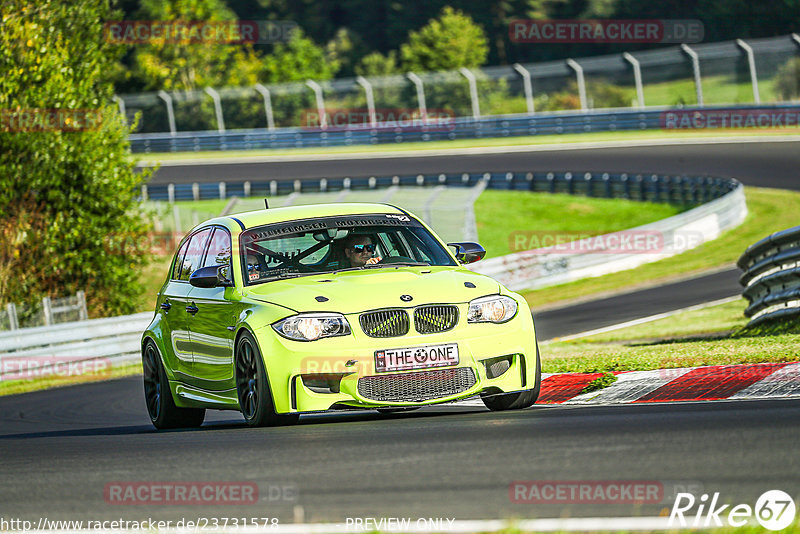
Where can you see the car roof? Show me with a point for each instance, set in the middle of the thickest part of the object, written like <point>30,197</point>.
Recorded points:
<point>251,219</point>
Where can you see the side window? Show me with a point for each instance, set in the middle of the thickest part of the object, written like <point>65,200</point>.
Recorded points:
<point>194,254</point>
<point>176,268</point>
<point>219,250</point>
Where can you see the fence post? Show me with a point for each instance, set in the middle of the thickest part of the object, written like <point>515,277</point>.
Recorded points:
<point>417,81</point>
<point>473,91</point>
<point>363,82</point>
<point>217,108</point>
<point>637,77</point>
<point>696,69</point>
<point>163,95</point>
<point>323,120</point>
<point>47,311</point>
<point>83,313</point>
<point>11,310</point>
<point>121,105</point>
<point>574,65</point>
<point>526,86</point>
<point>267,105</point>
<point>222,190</point>
<point>751,62</point>
<point>246,188</point>
<point>196,191</point>
<point>144,192</point>
<point>171,193</point>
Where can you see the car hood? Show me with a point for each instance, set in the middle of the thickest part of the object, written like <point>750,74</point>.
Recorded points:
<point>355,291</point>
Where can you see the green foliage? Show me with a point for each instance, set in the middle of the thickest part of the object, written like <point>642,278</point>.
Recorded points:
<point>376,64</point>
<point>450,42</point>
<point>787,79</point>
<point>297,61</point>
<point>601,382</point>
<point>69,219</point>
<point>180,66</point>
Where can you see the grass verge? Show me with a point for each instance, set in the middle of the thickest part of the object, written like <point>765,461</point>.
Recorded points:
<point>709,336</point>
<point>769,210</point>
<point>12,387</point>
<point>593,137</point>
<point>506,219</point>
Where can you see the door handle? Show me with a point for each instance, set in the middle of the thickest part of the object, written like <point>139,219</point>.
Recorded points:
<point>192,309</point>
<point>166,305</point>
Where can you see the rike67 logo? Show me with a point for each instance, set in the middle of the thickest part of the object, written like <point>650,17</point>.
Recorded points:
<point>774,510</point>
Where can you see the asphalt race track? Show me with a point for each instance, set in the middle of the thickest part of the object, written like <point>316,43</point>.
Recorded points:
<point>61,448</point>
<point>765,164</point>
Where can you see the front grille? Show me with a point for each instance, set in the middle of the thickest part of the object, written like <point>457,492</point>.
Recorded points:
<point>432,319</point>
<point>416,387</point>
<point>385,323</point>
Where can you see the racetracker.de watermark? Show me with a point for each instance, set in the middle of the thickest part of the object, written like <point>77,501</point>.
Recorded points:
<point>365,118</point>
<point>730,118</point>
<point>53,367</point>
<point>185,32</point>
<point>606,31</point>
<point>179,493</point>
<point>49,120</point>
<point>586,491</point>
<point>624,242</point>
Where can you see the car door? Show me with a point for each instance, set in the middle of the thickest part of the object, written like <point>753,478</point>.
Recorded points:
<point>212,325</point>
<point>174,300</point>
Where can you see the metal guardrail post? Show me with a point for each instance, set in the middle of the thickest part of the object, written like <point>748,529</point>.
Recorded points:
<point>47,311</point>
<point>267,104</point>
<point>527,86</point>
<point>217,108</point>
<point>121,105</point>
<point>751,62</point>
<point>195,191</point>
<point>363,82</point>
<point>171,193</point>
<point>222,192</point>
<point>637,77</point>
<point>317,88</point>
<point>83,313</point>
<point>473,91</point>
<point>417,81</point>
<point>574,65</point>
<point>698,86</point>
<point>11,310</point>
<point>165,96</point>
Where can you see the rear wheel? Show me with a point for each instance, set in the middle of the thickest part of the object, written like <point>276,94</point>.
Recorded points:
<point>519,399</point>
<point>158,397</point>
<point>252,387</point>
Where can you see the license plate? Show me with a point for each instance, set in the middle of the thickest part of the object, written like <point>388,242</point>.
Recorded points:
<point>416,357</point>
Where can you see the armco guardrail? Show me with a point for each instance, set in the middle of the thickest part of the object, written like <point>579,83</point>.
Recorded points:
<point>633,186</point>
<point>49,350</point>
<point>563,122</point>
<point>619,251</point>
<point>771,277</point>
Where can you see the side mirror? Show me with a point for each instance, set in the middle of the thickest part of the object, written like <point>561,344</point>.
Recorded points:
<point>467,252</point>
<point>211,276</point>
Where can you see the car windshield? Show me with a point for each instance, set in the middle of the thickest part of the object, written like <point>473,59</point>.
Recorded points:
<point>332,244</point>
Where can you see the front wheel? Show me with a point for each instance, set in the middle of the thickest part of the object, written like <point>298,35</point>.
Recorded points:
<point>252,387</point>
<point>519,399</point>
<point>158,397</point>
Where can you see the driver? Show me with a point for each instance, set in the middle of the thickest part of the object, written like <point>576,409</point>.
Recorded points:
<point>359,250</point>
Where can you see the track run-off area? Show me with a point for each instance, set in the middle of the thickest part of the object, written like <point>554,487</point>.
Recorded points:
<point>63,449</point>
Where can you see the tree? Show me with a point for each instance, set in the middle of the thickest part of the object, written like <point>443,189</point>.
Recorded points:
<point>297,61</point>
<point>177,66</point>
<point>450,42</point>
<point>67,183</point>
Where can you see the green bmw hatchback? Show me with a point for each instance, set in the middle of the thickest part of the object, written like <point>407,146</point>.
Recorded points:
<point>304,309</point>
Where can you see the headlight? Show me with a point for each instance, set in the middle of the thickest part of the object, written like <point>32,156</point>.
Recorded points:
<point>492,309</point>
<point>311,326</point>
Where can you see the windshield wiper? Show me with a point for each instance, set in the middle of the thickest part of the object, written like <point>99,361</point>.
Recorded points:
<point>397,264</point>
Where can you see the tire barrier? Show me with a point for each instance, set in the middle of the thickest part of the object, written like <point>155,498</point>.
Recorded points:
<point>771,277</point>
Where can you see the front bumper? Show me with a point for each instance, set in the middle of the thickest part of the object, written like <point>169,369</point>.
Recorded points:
<point>348,363</point>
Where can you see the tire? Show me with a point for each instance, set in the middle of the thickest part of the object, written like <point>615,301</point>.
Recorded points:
<point>158,396</point>
<point>252,387</point>
<point>517,400</point>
